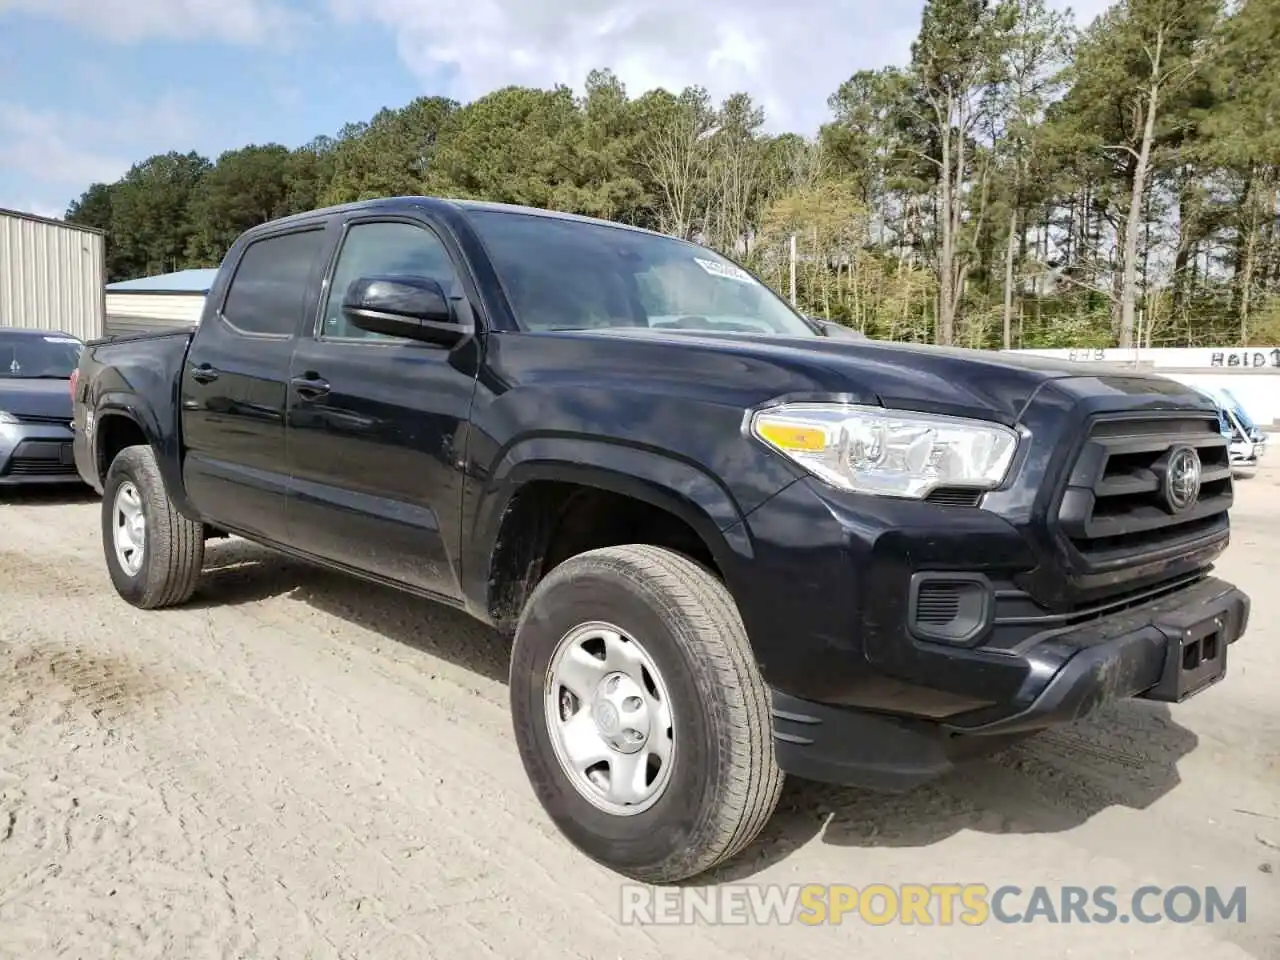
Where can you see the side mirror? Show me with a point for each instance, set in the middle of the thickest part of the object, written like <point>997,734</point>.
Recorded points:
<point>415,308</point>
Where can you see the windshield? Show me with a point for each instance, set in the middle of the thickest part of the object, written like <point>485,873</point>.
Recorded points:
<point>1224,425</point>
<point>572,275</point>
<point>1238,429</point>
<point>24,356</point>
<point>1238,409</point>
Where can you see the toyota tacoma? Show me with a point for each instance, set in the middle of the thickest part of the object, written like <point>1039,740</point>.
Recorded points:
<point>729,544</point>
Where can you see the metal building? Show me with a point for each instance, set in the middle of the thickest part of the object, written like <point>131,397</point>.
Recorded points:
<point>51,275</point>
<point>157,303</point>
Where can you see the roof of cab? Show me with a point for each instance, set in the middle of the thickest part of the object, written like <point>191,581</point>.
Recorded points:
<point>391,204</point>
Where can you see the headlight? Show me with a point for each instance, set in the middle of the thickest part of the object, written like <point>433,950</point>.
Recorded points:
<point>6,417</point>
<point>888,452</point>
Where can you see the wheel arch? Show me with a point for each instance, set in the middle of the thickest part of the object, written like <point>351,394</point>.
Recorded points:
<point>513,538</point>
<point>114,428</point>
<point>119,421</point>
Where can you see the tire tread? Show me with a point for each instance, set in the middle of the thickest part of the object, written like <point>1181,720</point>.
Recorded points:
<point>749,782</point>
<point>174,552</point>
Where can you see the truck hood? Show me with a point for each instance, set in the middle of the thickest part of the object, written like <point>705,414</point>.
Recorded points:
<point>35,398</point>
<point>958,381</point>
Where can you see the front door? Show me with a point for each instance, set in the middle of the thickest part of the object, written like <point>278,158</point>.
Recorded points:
<point>235,384</point>
<point>376,423</point>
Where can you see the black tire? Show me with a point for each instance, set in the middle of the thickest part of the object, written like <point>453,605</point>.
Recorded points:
<point>173,549</point>
<point>724,779</point>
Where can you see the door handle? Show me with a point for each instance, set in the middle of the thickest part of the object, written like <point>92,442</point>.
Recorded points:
<point>310,386</point>
<point>204,373</point>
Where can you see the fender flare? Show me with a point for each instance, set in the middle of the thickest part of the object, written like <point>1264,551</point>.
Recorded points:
<point>126,406</point>
<point>673,484</point>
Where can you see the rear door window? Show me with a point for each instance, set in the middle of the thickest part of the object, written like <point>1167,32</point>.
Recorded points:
<point>269,287</point>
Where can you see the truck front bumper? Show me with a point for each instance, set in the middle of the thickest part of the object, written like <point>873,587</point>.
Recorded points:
<point>36,453</point>
<point>1167,650</point>
<point>1247,454</point>
<point>898,636</point>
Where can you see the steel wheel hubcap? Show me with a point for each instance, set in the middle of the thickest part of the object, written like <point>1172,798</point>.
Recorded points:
<point>609,717</point>
<point>129,528</point>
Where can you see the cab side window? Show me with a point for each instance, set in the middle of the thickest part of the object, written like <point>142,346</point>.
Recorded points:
<point>269,287</point>
<point>381,250</point>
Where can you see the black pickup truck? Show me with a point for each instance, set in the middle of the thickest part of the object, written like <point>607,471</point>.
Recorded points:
<point>728,543</point>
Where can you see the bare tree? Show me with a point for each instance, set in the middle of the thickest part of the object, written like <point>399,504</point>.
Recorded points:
<point>1034,43</point>
<point>951,66</point>
<point>677,157</point>
<point>1173,50</point>
<point>736,174</point>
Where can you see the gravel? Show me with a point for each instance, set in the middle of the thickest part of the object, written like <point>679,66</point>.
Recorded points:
<point>297,764</point>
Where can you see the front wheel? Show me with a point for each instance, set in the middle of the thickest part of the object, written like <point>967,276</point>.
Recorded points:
<point>641,719</point>
<point>154,554</point>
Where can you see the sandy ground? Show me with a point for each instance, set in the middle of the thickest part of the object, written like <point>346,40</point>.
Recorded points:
<point>299,765</point>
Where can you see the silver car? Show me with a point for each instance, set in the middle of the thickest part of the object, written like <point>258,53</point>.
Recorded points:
<point>35,406</point>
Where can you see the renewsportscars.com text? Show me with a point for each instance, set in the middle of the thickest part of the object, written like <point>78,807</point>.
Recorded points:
<point>934,904</point>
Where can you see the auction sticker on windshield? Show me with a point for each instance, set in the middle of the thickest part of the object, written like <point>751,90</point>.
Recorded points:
<point>725,270</point>
<point>60,340</point>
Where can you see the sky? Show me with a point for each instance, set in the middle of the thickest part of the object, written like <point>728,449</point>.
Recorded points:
<point>88,87</point>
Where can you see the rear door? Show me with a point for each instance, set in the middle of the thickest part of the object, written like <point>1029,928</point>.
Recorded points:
<point>376,423</point>
<point>235,384</point>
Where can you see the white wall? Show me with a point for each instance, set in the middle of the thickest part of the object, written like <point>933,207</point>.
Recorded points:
<point>167,307</point>
<point>1252,373</point>
<point>129,313</point>
<point>51,275</point>
<point>1258,393</point>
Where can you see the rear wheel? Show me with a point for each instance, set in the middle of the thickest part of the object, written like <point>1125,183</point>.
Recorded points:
<point>154,554</point>
<point>640,716</point>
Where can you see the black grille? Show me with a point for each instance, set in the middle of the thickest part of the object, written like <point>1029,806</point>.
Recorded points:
<point>956,496</point>
<point>1115,509</point>
<point>42,458</point>
<point>32,418</point>
<point>950,607</point>
<point>938,602</point>
<point>26,467</point>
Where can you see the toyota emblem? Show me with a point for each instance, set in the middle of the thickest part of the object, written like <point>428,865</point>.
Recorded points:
<point>1182,479</point>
